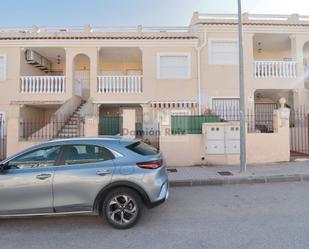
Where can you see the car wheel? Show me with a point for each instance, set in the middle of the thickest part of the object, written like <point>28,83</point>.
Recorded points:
<point>122,208</point>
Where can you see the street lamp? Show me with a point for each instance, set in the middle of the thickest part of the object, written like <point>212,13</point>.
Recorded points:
<point>242,114</point>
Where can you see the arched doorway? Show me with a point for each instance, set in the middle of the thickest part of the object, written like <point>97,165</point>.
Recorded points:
<point>81,76</point>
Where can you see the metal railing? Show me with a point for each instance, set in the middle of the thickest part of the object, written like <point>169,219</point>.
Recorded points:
<point>42,130</point>
<point>2,148</point>
<point>2,137</point>
<point>294,18</point>
<point>275,69</point>
<point>92,29</point>
<point>299,131</point>
<point>120,84</point>
<point>42,84</point>
<point>256,121</point>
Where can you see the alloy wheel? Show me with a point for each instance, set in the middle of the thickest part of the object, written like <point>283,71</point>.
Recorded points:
<point>122,209</point>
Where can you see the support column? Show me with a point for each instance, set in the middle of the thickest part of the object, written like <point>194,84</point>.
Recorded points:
<point>249,70</point>
<point>297,55</point>
<point>93,55</point>
<point>91,128</point>
<point>69,68</point>
<point>129,121</point>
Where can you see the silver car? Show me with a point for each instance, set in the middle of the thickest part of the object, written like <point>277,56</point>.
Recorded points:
<point>110,176</point>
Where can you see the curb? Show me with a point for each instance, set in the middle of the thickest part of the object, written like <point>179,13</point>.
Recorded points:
<point>239,180</point>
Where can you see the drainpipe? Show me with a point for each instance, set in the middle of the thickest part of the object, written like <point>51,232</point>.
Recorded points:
<point>198,49</point>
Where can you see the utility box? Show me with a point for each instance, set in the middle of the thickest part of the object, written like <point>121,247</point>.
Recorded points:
<point>222,138</point>
<point>232,147</point>
<point>215,132</point>
<point>232,132</point>
<point>215,147</point>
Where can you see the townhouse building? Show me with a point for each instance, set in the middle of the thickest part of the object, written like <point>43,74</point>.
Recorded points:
<point>75,81</point>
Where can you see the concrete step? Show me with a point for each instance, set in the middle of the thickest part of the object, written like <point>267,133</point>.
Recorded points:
<point>69,130</point>
<point>71,126</point>
<point>73,122</point>
<point>64,134</point>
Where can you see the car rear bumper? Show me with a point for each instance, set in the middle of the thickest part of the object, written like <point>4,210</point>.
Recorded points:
<point>164,194</point>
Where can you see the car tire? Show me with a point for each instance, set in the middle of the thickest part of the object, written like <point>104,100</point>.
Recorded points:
<point>122,208</point>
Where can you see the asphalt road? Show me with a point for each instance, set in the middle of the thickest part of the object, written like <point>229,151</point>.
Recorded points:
<point>215,217</point>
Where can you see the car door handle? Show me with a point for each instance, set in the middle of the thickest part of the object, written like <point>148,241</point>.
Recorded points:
<point>103,172</point>
<point>43,176</point>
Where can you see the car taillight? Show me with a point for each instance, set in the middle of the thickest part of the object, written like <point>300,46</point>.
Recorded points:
<point>151,164</point>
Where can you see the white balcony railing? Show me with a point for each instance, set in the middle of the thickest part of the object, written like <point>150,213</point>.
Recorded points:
<point>275,69</point>
<point>42,84</point>
<point>120,84</point>
<point>92,29</point>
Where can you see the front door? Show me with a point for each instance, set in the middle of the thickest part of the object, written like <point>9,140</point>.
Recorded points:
<point>26,185</point>
<point>78,87</point>
<point>84,171</point>
<point>82,83</point>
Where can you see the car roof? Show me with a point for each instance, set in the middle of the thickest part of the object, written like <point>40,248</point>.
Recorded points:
<point>99,140</point>
<point>105,139</point>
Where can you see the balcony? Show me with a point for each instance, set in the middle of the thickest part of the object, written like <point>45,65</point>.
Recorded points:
<point>42,84</point>
<point>274,64</point>
<point>42,75</point>
<point>120,74</point>
<point>275,69</point>
<point>120,84</point>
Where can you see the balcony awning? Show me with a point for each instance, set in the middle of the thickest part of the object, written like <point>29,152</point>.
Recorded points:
<point>174,104</point>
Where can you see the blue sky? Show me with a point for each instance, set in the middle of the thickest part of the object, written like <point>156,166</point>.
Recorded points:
<point>131,12</point>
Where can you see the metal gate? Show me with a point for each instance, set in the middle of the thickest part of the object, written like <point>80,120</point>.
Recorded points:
<point>149,129</point>
<point>2,137</point>
<point>264,113</point>
<point>2,148</point>
<point>110,125</point>
<point>299,126</point>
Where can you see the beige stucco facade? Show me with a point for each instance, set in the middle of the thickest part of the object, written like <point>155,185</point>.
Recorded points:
<point>261,147</point>
<point>117,70</point>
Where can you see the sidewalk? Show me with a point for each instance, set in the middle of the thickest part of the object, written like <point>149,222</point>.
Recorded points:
<point>266,173</point>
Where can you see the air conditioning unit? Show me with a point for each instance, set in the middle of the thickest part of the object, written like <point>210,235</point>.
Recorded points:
<point>37,60</point>
<point>33,57</point>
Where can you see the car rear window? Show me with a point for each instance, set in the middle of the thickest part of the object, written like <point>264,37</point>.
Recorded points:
<point>142,149</point>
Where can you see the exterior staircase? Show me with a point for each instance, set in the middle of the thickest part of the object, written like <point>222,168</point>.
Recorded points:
<point>74,125</point>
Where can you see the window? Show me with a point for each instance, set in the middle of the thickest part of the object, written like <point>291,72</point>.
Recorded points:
<point>39,158</point>
<point>226,108</point>
<point>81,154</point>
<point>142,149</point>
<point>174,65</point>
<point>2,67</point>
<point>223,52</point>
